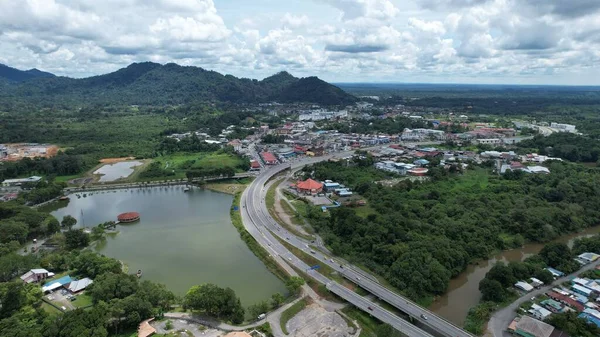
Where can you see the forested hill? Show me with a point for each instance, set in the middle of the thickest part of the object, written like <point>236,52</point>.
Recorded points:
<point>9,74</point>
<point>152,83</point>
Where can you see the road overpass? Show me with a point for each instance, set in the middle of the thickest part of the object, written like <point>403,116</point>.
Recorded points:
<point>262,227</point>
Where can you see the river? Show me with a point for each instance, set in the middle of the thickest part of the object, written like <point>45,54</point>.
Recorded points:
<point>463,291</point>
<point>182,239</point>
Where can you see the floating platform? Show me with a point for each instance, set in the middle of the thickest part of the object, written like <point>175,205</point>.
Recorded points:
<point>128,217</point>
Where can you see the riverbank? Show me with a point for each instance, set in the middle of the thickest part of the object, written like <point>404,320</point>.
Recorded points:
<point>229,186</point>
<point>463,291</point>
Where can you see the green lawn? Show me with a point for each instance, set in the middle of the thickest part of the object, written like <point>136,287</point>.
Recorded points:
<point>82,301</point>
<point>52,311</point>
<point>291,312</point>
<point>64,179</point>
<point>182,162</point>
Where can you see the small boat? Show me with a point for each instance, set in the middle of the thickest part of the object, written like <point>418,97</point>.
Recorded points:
<point>186,189</point>
<point>139,273</point>
<point>64,197</point>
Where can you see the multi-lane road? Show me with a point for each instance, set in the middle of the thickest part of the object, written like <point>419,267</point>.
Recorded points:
<point>263,227</point>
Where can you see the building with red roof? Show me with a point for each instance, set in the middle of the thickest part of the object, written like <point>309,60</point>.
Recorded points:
<point>268,158</point>
<point>309,186</point>
<point>254,165</point>
<point>566,300</point>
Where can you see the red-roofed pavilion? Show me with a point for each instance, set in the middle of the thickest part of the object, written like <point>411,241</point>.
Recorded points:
<point>309,186</point>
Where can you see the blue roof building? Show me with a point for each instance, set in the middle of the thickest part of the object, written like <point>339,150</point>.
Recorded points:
<point>555,273</point>
<point>421,162</point>
<point>590,318</point>
<point>61,282</point>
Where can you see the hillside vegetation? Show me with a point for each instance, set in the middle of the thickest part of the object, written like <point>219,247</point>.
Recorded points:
<point>154,84</point>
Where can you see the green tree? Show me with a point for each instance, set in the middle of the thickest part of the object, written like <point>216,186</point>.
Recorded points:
<point>68,221</point>
<point>75,239</point>
<point>276,300</point>
<point>259,308</point>
<point>12,298</point>
<point>294,284</point>
<point>492,290</point>
<point>109,286</point>
<point>52,226</point>
<point>574,326</point>
<point>13,231</point>
<point>215,301</point>
<point>91,264</point>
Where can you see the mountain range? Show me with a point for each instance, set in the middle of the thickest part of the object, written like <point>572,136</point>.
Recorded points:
<point>156,84</point>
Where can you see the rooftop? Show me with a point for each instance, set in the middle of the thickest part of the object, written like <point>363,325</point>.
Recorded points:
<point>534,327</point>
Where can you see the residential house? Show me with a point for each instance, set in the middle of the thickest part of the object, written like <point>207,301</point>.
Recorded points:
<point>530,327</point>
<point>77,286</point>
<point>552,305</point>
<point>539,312</point>
<point>567,300</point>
<point>36,275</point>
<point>523,286</point>
<point>581,290</point>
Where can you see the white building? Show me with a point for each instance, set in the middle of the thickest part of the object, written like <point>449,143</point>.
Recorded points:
<point>523,286</point>
<point>563,127</point>
<point>539,312</point>
<point>21,181</point>
<point>490,141</point>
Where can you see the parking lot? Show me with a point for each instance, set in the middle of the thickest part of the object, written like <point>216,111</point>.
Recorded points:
<point>62,298</point>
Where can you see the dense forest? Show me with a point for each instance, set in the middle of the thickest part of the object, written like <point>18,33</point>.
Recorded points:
<point>564,145</point>
<point>423,234</point>
<point>155,84</point>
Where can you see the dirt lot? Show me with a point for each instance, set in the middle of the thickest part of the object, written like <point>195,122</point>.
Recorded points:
<point>315,321</point>
<point>184,328</point>
<point>115,160</point>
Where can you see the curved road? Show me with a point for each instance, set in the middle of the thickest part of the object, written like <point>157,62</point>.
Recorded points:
<point>262,226</point>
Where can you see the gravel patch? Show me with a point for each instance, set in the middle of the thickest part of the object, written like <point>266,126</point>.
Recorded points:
<point>315,321</point>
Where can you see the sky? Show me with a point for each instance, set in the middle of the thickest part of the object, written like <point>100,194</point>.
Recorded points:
<point>404,41</point>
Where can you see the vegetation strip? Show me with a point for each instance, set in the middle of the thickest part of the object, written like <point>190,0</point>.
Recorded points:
<point>253,245</point>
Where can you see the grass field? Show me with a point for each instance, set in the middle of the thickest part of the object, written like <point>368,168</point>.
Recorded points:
<point>229,186</point>
<point>291,312</point>
<point>82,301</point>
<point>52,311</point>
<point>367,322</point>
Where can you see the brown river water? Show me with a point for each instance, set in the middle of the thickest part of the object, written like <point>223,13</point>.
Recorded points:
<point>463,291</point>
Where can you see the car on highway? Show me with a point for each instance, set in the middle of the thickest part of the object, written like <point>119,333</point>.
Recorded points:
<point>423,316</point>
<point>370,308</point>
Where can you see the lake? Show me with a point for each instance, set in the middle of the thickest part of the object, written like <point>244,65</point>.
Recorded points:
<point>112,172</point>
<point>182,239</point>
<point>463,291</point>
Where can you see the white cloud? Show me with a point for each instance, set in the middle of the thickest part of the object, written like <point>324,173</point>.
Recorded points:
<point>368,40</point>
<point>294,21</point>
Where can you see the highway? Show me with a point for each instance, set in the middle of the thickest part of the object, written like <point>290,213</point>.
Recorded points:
<point>262,226</point>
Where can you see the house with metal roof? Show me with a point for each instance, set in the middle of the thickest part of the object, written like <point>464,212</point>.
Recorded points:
<point>531,327</point>
<point>55,284</point>
<point>539,312</point>
<point>36,275</point>
<point>524,286</point>
<point>79,285</point>
<point>552,305</point>
<point>555,273</point>
<point>581,290</point>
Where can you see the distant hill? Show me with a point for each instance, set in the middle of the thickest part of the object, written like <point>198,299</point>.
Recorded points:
<point>153,83</point>
<point>9,74</point>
